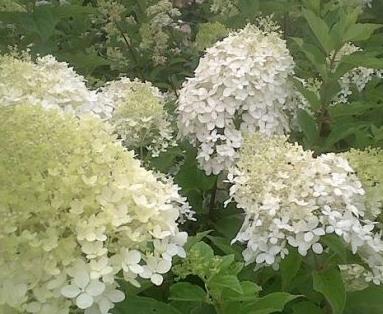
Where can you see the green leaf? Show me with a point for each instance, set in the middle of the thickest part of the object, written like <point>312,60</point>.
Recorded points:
<point>367,301</point>
<point>273,302</point>
<point>306,308</point>
<point>336,245</point>
<point>142,305</point>
<point>308,126</point>
<point>289,268</point>
<point>220,281</point>
<point>225,246</point>
<point>314,55</point>
<point>329,89</point>
<point>320,30</point>
<point>360,32</point>
<point>249,292</point>
<point>229,225</point>
<point>192,240</point>
<point>341,131</point>
<point>363,60</point>
<point>187,292</point>
<point>249,8</point>
<point>203,249</point>
<point>330,284</point>
<point>310,96</point>
<point>190,177</point>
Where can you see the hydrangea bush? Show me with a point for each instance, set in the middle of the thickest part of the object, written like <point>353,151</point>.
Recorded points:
<point>278,110</point>
<point>77,211</point>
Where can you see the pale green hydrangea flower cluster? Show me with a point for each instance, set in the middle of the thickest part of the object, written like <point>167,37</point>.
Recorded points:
<point>46,82</point>
<point>209,33</point>
<point>368,166</point>
<point>162,16</point>
<point>354,277</point>
<point>77,210</point>
<point>137,112</point>
<point>292,199</point>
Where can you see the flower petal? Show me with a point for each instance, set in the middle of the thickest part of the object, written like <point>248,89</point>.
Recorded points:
<point>84,301</point>
<point>70,291</point>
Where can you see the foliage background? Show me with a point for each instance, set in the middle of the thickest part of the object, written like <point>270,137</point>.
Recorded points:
<point>213,278</point>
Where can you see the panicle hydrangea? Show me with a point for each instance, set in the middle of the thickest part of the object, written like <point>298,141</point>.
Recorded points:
<point>162,17</point>
<point>136,111</point>
<point>356,78</point>
<point>368,166</point>
<point>292,199</point>
<point>240,85</point>
<point>47,82</point>
<point>76,209</point>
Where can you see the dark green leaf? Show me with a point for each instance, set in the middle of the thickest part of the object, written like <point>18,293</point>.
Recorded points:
<point>220,281</point>
<point>271,303</point>
<point>368,301</point>
<point>289,268</point>
<point>308,126</point>
<point>359,32</point>
<point>142,305</point>
<point>330,284</point>
<point>320,30</point>
<point>306,308</point>
<point>185,291</point>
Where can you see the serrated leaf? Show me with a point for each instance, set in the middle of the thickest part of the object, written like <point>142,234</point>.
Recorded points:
<point>273,302</point>
<point>336,245</point>
<point>308,126</point>
<point>187,292</point>
<point>220,281</point>
<point>320,30</point>
<point>290,266</point>
<point>360,59</point>
<point>360,32</point>
<point>330,284</point>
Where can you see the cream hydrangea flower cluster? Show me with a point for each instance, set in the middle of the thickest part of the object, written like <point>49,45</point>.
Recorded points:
<point>47,82</point>
<point>292,199</point>
<point>240,85</point>
<point>76,209</point>
<point>136,111</point>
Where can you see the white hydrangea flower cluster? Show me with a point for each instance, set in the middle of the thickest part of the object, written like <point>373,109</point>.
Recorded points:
<point>76,211</point>
<point>47,82</point>
<point>292,199</point>
<point>136,111</point>
<point>358,77</point>
<point>240,85</point>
